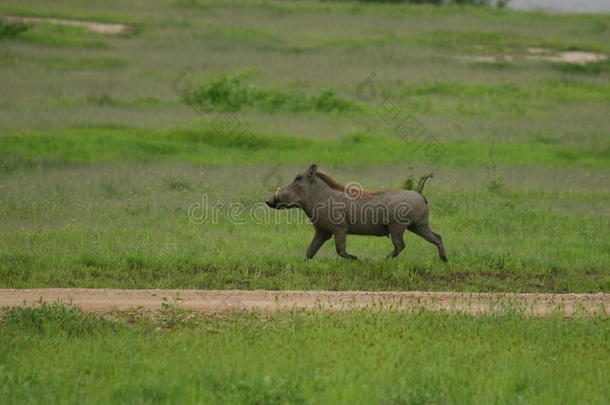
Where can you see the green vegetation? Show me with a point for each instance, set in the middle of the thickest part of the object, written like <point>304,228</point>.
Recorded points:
<point>230,143</point>
<point>11,29</point>
<point>56,319</point>
<point>481,42</point>
<point>435,2</point>
<point>141,160</point>
<point>229,93</point>
<point>53,352</point>
<point>590,68</point>
<point>57,35</point>
<point>107,140</point>
<point>127,226</point>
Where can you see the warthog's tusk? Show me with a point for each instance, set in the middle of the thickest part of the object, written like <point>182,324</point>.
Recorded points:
<point>276,193</point>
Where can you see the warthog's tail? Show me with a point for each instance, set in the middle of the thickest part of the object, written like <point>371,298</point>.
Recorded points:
<point>422,182</point>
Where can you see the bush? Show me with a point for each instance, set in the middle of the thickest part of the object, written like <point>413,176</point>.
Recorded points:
<point>229,93</point>
<point>10,29</point>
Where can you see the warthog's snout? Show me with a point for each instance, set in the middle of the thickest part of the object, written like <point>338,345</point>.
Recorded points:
<point>271,203</point>
<point>274,199</point>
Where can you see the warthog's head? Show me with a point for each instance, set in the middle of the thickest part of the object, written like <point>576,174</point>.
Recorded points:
<point>295,194</point>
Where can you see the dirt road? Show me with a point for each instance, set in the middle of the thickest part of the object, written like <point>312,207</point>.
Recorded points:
<point>206,301</point>
<point>95,26</point>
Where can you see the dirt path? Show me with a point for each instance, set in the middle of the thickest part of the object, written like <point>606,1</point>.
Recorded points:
<point>95,26</point>
<point>100,300</point>
<point>544,54</point>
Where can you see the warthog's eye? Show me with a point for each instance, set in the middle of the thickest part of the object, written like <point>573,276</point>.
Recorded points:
<point>298,178</point>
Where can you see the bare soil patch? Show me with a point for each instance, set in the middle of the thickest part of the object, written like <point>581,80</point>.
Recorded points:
<point>210,301</point>
<point>95,26</point>
<point>575,57</point>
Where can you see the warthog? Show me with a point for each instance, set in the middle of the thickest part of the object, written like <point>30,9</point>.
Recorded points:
<point>338,210</point>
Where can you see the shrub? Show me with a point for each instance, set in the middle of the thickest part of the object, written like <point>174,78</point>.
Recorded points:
<point>10,29</point>
<point>229,93</point>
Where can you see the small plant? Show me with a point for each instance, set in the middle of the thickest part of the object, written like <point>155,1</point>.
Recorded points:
<point>355,138</point>
<point>328,101</point>
<point>110,190</point>
<point>58,318</point>
<point>496,185</point>
<point>408,184</point>
<point>102,99</point>
<point>171,315</point>
<point>11,29</point>
<point>175,184</point>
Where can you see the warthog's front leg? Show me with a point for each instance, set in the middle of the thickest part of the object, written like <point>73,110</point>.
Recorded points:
<point>318,240</point>
<point>340,241</point>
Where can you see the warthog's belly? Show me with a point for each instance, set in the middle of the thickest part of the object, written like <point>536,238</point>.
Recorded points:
<point>368,229</point>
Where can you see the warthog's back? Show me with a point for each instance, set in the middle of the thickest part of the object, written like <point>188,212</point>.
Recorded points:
<point>373,213</point>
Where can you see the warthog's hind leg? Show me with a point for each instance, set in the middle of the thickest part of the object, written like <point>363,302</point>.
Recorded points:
<point>426,232</point>
<point>397,234</point>
<point>340,241</point>
<point>318,240</point>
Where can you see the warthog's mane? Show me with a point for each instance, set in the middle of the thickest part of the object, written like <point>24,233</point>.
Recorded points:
<point>328,179</point>
<point>334,184</point>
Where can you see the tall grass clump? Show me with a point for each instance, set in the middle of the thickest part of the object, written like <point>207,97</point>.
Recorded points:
<point>58,318</point>
<point>10,29</point>
<point>230,93</point>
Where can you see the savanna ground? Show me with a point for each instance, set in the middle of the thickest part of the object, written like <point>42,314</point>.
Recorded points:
<point>107,141</point>
<point>54,354</point>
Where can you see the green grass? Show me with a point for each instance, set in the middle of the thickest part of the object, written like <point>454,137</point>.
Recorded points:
<point>229,93</point>
<point>84,63</point>
<point>57,35</point>
<point>479,41</point>
<point>227,142</point>
<point>100,155</point>
<point>595,68</point>
<point>11,29</point>
<point>54,354</point>
<point>107,143</point>
<point>129,227</point>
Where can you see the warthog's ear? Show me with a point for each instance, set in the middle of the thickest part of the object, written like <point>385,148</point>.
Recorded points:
<point>313,169</point>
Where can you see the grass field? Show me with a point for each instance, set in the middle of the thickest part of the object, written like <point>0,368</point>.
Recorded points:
<point>55,354</point>
<point>107,140</point>
<point>127,226</point>
<point>112,147</point>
